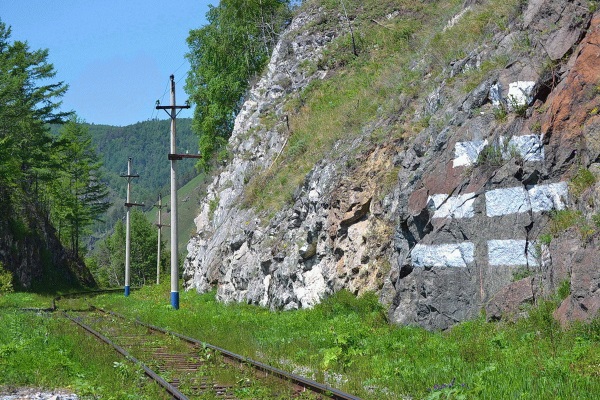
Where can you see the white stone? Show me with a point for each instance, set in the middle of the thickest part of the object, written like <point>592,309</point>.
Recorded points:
<point>265,299</point>
<point>466,153</point>
<point>529,147</point>
<point>312,289</point>
<point>552,196</point>
<point>443,255</point>
<point>506,201</point>
<point>520,93</point>
<point>511,253</point>
<point>496,94</point>
<point>444,206</point>
<point>313,196</point>
<point>535,198</point>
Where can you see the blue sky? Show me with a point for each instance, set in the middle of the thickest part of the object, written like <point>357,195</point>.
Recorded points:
<point>116,56</point>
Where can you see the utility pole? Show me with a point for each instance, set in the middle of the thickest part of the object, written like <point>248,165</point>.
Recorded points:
<point>159,225</point>
<point>173,157</point>
<point>128,205</point>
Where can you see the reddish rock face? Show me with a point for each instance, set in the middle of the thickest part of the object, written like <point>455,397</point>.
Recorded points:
<point>572,120</point>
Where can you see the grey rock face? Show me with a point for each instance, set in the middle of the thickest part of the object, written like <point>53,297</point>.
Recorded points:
<point>461,223</point>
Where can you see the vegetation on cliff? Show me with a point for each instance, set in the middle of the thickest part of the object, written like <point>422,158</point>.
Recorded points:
<point>225,55</point>
<point>43,178</point>
<point>378,76</point>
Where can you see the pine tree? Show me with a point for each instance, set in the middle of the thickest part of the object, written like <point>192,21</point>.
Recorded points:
<point>77,192</point>
<point>26,107</point>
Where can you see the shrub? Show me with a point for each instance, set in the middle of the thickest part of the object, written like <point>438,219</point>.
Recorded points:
<point>6,278</point>
<point>561,220</point>
<point>582,180</point>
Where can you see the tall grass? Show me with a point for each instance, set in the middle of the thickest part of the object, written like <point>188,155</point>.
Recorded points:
<point>348,343</point>
<point>42,350</point>
<point>345,341</point>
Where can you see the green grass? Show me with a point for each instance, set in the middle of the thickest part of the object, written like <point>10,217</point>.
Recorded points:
<point>384,82</point>
<point>581,181</point>
<point>348,343</point>
<point>41,350</point>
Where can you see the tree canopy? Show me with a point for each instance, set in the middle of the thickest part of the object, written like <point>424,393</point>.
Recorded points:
<point>224,55</point>
<point>27,104</point>
<point>55,174</point>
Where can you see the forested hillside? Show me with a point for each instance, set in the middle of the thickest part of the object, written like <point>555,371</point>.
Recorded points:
<point>147,143</point>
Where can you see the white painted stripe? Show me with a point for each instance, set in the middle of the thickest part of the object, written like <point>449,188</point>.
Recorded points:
<point>510,253</point>
<point>548,197</point>
<point>536,198</point>
<point>506,201</point>
<point>466,153</point>
<point>528,147</point>
<point>519,93</point>
<point>444,206</point>
<point>443,255</point>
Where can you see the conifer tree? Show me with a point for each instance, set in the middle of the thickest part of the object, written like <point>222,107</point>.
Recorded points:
<point>77,191</point>
<point>26,107</point>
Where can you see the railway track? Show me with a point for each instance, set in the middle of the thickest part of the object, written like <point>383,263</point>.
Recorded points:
<point>188,368</point>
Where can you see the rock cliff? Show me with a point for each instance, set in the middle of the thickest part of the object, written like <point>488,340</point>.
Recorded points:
<point>31,251</point>
<point>459,214</point>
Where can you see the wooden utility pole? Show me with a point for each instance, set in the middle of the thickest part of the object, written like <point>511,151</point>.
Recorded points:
<point>128,205</point>
<point>173,157</point>
<point>159,225</point>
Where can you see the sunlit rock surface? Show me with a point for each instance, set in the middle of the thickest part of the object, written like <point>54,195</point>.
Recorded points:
<point>461,225</point>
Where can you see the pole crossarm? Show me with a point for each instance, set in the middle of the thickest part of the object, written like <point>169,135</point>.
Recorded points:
<point>172,107</point>
<point>179,157</point>
<point>134,204</point>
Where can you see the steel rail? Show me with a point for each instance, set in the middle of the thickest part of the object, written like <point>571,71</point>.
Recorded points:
<point>296,379</point>
<point>88,292</point>
<point>153,375</point>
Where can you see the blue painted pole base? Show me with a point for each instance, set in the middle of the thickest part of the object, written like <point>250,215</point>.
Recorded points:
<point>175,300</point>
<point>126,291</point>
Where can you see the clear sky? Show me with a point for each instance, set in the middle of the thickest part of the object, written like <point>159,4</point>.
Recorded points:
<point>115,55</point>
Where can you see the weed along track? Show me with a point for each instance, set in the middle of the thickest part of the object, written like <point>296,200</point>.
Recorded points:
<point>187,368</point>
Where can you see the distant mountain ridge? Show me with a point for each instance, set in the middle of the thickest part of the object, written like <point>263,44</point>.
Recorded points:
<point>147,143</point>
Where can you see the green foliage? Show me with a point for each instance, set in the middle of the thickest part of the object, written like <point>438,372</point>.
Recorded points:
<point>545,239</point>
<point>34,162</point>
<point>596,220</point>
<point>521,273</point>
<point>519,109</point>
<point>491,155</point>
<point>147,143</point>
<point>382,83</point>
<point>212,207</point>
<point>108,261</point>
<point>349,337</point>
<point>500,113</point>
<point>561,220</point>
<point>43,350</point>
<point>564,290</point>
<point>27,103</point>
<point>77,192</point>
<point>6,285</point>
<point>581,181</point>
<point>224,55</point>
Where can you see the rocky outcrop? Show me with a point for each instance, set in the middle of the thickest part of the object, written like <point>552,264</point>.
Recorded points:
<point>457,229</point>
<point>32,252</point>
